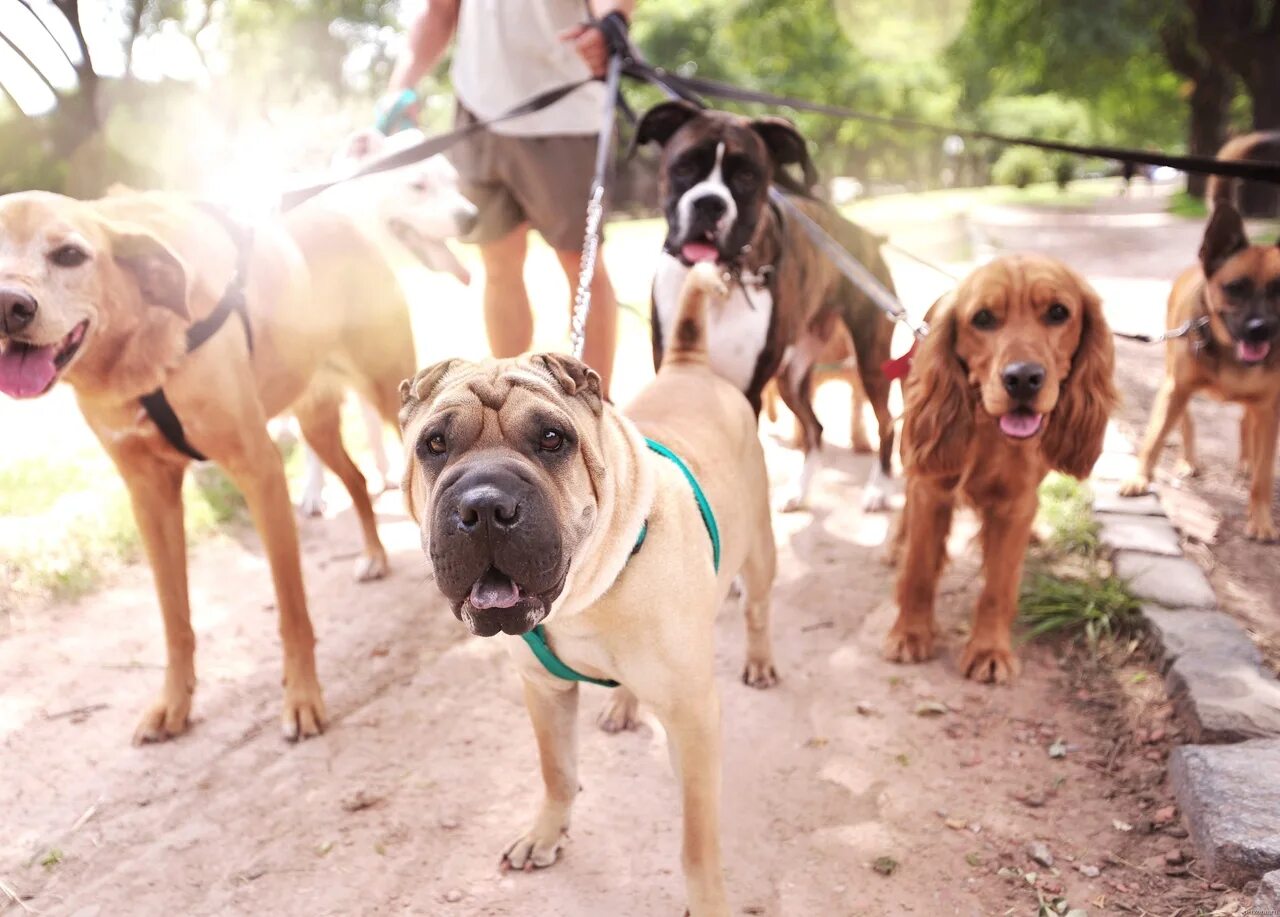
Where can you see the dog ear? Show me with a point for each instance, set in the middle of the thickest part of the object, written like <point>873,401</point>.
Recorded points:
<point>938,415</point>
<point>159,273</point>
<point>1223,237</point>
<point>576,378</point>
<point>1073,440</point>
<point>417,391</point>
<point>660,123</point>
<point>786,146</point>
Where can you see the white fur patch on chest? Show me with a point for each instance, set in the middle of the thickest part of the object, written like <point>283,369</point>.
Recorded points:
<point>737,329</point>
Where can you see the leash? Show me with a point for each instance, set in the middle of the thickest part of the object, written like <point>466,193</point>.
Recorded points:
<point>1187,327</point>
<point>536,639</point>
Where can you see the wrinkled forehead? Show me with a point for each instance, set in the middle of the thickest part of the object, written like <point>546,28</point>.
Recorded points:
<point>502,387</point>
<point>706,132</point>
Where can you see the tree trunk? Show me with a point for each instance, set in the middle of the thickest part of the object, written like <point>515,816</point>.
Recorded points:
<point>1211,96</point>
<point>1262,82</point>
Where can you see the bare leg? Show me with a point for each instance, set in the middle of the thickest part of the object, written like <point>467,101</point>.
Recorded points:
<point>554,712</point>
<point>508,320</point>
<point>602,321</point>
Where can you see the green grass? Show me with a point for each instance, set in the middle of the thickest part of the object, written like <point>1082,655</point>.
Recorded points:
<point>1066,508</point>
<point>1183,204</point>
<point>1094,607</point>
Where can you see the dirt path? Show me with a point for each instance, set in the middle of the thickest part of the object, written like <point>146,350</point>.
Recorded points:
<point>429,766</point>
<point>1131,250</point>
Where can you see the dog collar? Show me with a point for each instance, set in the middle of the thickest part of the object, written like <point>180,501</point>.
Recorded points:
<point>536,639</point>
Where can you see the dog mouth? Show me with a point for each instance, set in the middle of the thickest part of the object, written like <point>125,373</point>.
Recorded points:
<point>29,370</point>
<point>1252,351</point>
<point>496,603</point>
<point>1021,423</point>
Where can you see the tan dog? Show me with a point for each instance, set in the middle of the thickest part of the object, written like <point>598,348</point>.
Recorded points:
<point>1235,292</point>
<point>542,508</point>
<point>1014,380</point>
<point>104,295</point>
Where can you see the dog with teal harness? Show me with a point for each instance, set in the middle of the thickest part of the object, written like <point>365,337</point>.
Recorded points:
<point>606,541</point>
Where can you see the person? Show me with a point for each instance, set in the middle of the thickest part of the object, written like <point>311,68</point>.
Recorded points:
<point>533,171</point>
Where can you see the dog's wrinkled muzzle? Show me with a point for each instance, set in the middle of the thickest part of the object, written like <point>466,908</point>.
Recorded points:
<point>496,548</point>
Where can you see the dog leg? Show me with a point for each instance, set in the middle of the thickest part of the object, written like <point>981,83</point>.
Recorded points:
<point>1247,446</point>
<point>1188,467</point>
<point>1170,404</point>
<point>693,726</point>
<point>1006,530</point>
<point>926,522</point>
<point>374,431</point>
<point>795,384</point>
<point>155,490</point>
<point>319,417</point>
<point>312,503</point>
<point>620,712</point>
<point>259,473</point>
<point>1263,423</point>
<point>858,438</point>
<point>758,575</point>
<point>554,712</point>
<point>875,496</point>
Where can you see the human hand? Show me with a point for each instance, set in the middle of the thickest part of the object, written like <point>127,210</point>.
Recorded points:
<point>590,45</point>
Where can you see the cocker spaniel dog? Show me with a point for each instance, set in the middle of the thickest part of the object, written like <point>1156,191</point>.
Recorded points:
<point>1013,381</point>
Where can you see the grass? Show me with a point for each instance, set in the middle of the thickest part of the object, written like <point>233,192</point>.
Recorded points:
<point>1066,509</point>
<point>1182,204</point>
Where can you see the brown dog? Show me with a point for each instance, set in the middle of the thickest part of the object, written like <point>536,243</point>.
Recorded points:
<point>120,297</point>
<point>1014,380</point>
<point>1232,299</point>
<point>546,515</point>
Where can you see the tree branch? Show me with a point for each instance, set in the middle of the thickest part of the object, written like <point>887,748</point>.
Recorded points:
<point>53,38</point>
<point>135,26</point>
<point>34,69</point>
<point>70,10</point>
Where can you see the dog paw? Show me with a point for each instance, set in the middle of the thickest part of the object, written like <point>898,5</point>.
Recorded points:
<point>1261,528</point>
<point>794,504</point>
<point>874,500</point>
<point>1136,486</point>
<point>905,645</point>
<point>620,714</point>
<point>304,715</point>
<point>536,849</point>
<point>311,506</point>
<point>166,719</point>
<point>1185,469</point>
<point>760,674</point>
<point>371,567</point>
<point>989,664</point>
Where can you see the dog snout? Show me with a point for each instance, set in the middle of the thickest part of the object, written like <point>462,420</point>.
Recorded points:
<point>489,506</point>
<point>1023,381</point>
<point>466,218</point>
<point>1258,330</point>
<point>17,309</point>
<point>710,207</point>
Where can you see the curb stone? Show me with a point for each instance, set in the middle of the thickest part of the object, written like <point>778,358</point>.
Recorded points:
<point>1174,582</point>
<point>1266,903</point>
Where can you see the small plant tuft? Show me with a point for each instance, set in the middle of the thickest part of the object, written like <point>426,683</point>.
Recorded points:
<point>1096,608</point>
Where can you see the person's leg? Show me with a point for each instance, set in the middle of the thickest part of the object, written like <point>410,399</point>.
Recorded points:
<point>602,320</point>
<point>508,320</point>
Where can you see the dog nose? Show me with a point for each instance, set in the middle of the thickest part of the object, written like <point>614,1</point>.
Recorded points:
<point>489,506</point>
<point>17,310</point>
<point>466,220</point>
<point>1023,380</point>
<point>711,206</point>
<point>1257,330</point>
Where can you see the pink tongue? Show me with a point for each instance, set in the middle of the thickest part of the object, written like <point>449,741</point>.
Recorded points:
<point>1251,353</point>
<point>695,252</point>
<point>493,590</point>
<point>1020,424</point>
<point>26,372</point>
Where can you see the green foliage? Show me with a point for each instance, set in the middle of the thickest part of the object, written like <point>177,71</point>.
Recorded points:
<point>1094,607</point>
<point>1186,205</point>
<point>1063,168</point>
<point>1066,507</point>
<point>1021,166</point>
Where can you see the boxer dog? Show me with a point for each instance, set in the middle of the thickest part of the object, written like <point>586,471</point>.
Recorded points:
<point>546,513</point>
<point>714,180</point>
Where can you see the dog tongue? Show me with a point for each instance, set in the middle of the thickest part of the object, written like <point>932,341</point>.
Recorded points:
<point>1249,352</point>
<point>1020,424</point>
<point>494,590</point>
<point>695,252</point>
<point>26,372</point>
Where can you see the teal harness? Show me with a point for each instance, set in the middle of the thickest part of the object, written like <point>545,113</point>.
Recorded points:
<point>537,638</point>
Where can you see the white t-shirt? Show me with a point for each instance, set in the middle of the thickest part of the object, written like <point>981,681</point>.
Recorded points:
<point>509,50</point>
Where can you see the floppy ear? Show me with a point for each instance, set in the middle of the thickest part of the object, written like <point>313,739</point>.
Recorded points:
<point>786,146</point>
<point>938,415</point>
<point>659,123</point>
<point>1223,237</point>
<point>1078,424</point>
<point>418,391</point>
<point>159,273</point>
<point>576,378</point>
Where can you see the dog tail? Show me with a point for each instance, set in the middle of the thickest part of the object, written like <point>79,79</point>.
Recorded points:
<point>688,343</point>
<point>1222,189</point>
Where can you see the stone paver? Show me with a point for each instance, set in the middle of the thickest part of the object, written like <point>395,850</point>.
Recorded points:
<point>1147,534</point>
<point>1230,798</point>
<point>1183,631</point>
<point>1172,581</point>
<point>1114,466</point>
<point>1106,500</point>
<point>1266,903</point>
<point>1220,699</point>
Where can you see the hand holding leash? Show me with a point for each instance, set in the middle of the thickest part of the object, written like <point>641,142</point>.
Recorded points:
<point>397,111</point>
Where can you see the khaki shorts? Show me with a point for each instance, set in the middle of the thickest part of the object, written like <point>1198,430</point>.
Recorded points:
<point>543,181</point>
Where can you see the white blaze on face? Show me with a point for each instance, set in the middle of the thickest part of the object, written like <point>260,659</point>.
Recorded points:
<point>711,186</point>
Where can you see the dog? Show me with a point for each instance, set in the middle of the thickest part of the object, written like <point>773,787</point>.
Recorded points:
<point>1013,380</point>
<point>1232,300</point>
<point>545,513</point>
<point>422,207</point>
<point>714,179</point>
<point>181,333</point>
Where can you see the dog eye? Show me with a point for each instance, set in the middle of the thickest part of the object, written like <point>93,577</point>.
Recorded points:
<point>1057,314</point>
<point>744,180</point>
<point>1241,286</point>
<point>436,444</point>
<point>68,256</point>
<point>551,440</point>
<point>984,319</point>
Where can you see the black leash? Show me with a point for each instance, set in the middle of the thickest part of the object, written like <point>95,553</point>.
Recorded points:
<point>155,404</point>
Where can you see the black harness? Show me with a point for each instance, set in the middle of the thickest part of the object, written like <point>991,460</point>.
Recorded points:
<point>155,404</point>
